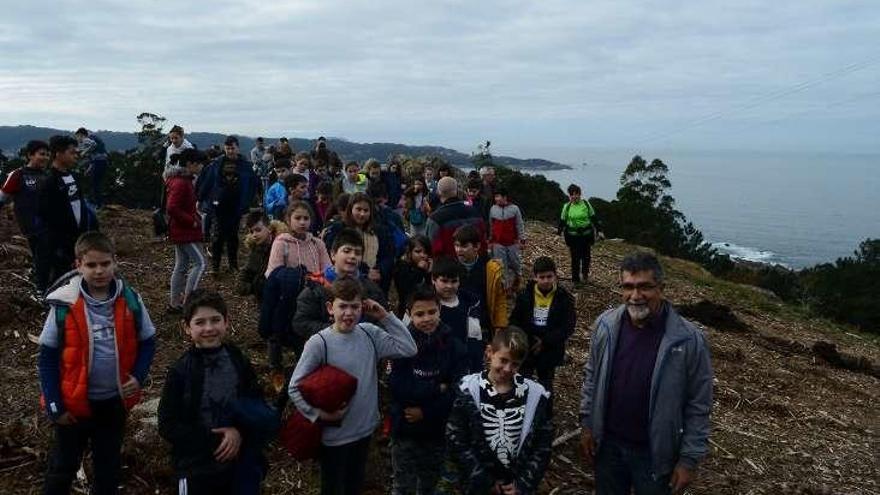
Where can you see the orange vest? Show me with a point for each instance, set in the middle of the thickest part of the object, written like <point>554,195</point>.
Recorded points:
<point>76,348</point>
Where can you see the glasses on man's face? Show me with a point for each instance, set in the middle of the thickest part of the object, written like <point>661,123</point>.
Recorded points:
<point>641,286</point>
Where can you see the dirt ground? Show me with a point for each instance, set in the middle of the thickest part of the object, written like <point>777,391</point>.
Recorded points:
<point>796,400</point>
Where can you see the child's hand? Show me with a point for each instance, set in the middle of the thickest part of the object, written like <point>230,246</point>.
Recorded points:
<point>229,445</point>
<point>130,387</point>
<point>375,275</point>
<point>413,414</point>
<point>333,417</point>
<point>374,310</point>
<point>425,264</point>
<point>65,419</point>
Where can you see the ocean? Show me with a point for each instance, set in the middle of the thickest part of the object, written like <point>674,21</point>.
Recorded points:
<point>791,209</point>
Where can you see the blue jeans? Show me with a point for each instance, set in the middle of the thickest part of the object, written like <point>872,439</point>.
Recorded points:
<point>620,468</point>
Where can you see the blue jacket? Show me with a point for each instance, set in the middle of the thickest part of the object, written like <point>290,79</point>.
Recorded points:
<point>681,390</point>
<point>210,186</point>
<point>276,201</point>
<point>415,382</point>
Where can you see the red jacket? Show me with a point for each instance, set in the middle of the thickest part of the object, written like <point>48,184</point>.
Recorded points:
<point>184,222</point>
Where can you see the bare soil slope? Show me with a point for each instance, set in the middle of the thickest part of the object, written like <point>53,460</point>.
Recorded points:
<point>796,400</point>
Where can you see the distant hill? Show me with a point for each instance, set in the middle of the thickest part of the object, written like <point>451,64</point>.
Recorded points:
<point>13,138</point>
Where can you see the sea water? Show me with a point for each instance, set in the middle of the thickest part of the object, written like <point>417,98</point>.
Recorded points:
<point>793,209</point>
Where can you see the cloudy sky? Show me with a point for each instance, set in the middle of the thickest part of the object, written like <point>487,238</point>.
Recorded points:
<point>749,74</point>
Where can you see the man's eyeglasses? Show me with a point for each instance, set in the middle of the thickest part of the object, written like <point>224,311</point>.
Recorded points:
<point>642,287</point>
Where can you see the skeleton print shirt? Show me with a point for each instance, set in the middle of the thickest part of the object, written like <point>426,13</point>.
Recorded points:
<point>503,416</point>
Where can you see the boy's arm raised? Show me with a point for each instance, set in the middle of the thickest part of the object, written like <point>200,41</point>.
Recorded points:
<point>396,341</point>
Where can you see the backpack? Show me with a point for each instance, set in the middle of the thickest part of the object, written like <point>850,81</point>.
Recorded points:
<point>280,292</point>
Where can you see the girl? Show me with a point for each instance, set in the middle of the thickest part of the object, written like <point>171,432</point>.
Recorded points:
<point>499,432</point>
<point>299,246</point>
<point>360,214</point>
<point>413,270</point>
<point>184,226</point>
<point>417,206</point>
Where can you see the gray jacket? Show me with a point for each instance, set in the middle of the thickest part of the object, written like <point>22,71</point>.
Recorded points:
<point>681,390</point>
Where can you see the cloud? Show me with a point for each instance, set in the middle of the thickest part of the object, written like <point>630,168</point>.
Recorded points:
<point>453,72</point>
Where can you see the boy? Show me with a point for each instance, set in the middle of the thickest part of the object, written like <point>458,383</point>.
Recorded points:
<point>499,433</point>
<point>96,348</point>
<point>323,200</point>
<point>473,194</point>
<point>275,201</point>
<point>351,182</point>
<point>430,180</point>
<point>346,255</point>
<point>421,396</point>
<point>547,313</point>
<point>302,165</point>
<point>212,410</point>
<point>228,186</point>
<point>22,187</point>
<point>261,233</point>
<point>506,236</point>
<point>483,277</point>
<point>356,348</point>
<point>61,208</point>
<point>460,309</point>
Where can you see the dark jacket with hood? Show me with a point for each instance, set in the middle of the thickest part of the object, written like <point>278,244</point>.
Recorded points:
<point>416,382</point>
<point>560,324</point>
<point>211,185</point>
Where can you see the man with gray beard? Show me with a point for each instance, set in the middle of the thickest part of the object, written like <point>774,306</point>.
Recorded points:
<point>647,393</point>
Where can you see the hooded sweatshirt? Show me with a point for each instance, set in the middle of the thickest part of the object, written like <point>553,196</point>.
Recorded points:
<point>290,251</point>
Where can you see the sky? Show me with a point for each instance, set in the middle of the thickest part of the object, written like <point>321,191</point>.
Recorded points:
<point>745,75</point>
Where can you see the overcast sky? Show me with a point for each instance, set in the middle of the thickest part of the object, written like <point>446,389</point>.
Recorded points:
<point>748,74</point>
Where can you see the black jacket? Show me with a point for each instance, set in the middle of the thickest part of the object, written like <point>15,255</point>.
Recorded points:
<point>192,442</point>
<point>55,213</point>
<point>407,277</point>
<point>560,324</point>
<point>416,381</point>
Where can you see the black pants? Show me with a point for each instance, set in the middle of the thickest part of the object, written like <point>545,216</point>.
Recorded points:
<point>545,375</point>
<point>579,247</point>
<point>104,431</point>
<point>343,467</point>
<point>226,235</point>
<point>42,259</point>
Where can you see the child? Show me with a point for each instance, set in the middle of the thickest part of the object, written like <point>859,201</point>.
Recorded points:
<point>261,235</point>
<point>506,236</point>
<point>96,348</point>
<point>460,309</point>
<point>184,226</point>
<point>430,180</point>
<point>417,206</point>
<point>212,410</point>
<point>298,190</point>
<point>474,194</point>
<point>421,395</point>
<point>352,181</point>
<point>92,148</point>
<point>323,200</point>
<point>62,208</point>
<point>357,349</point>
<point>547,314</point>
<point>297,246</point>
<point>360,214</point>
<point>22,186</point>
<point>412,270</point>
<point>346,255</point>
<point>499,433</point>
<point>483,276</point>
<point>275,201</point>
<point>302,165</point>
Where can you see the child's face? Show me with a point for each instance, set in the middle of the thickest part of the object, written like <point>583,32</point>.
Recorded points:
<point>323,198</point>
<point>175,138</point>
<point>473,193</point>
<point>360,213</point>
<point>298,191</point>
<point>545,281</point>
<point>502,365</point>
<point>231,151</point>
<point>66,158</point>
<point>346,314</point>
<point>194,168</point>
<point>467,252</point>
<point>429,174</point>
<point>352,173</point>
<point>299,221</point>
<point>282,173</point>
<point>425,316</point>
<point>261,233</point>
<point>346,259</point>
<point>418,254</point>
<point>39,158</point>
<point>97,269</point>
<point>207,327</point>
<point>418,186</point>
<point>500,200</point>
<point>446,287</point>
<point>302,164</point>
<point>374,173</point>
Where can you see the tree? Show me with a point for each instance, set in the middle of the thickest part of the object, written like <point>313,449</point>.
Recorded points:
<point>483,157</point>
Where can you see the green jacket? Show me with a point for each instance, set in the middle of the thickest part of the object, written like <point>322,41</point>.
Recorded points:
<point>577,218</point>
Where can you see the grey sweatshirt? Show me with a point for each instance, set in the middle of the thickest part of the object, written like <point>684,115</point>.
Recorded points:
<point>357,355</point>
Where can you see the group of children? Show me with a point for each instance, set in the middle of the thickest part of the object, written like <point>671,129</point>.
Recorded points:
<point>465,415</point>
